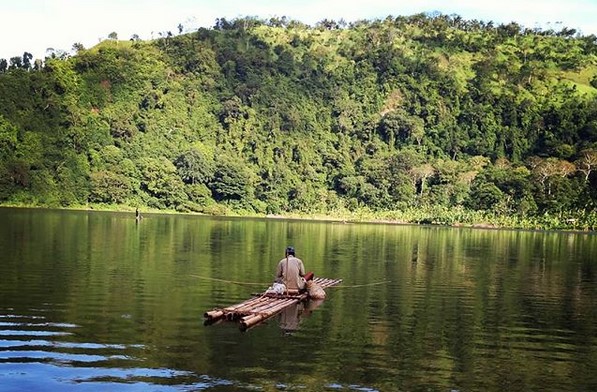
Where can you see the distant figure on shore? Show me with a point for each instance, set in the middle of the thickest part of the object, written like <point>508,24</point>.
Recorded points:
<point>137,214</point>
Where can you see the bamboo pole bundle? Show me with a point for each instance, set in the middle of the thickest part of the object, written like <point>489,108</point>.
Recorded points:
<point>335,282</point>
<point>277,306</point>
<point>290,294</point>
<point>273,304</point>
<point>213,314</point>
<point>251,320</point>
<point>247,308</point>
<point>262,306</point>
<point>248,302</point>
<point>221,312</point>
<point>268,311</point>
<point>324,283</point>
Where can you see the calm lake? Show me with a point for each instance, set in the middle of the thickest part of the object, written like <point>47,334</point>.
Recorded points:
<point>94,301</point>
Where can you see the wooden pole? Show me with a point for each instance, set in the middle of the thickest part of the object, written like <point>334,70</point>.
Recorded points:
<point>272,304</point>
<point>213,314</point>
<point>248,307</point>
<point>251,320</point>
<point>218,313</point>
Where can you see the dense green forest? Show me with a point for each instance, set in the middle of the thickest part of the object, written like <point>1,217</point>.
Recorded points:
<point>427,118</point>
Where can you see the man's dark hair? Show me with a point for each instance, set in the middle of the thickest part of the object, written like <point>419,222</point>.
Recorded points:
<point>290,250</point>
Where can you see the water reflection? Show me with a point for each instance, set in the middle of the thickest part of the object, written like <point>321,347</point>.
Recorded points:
<point>93,301</point>
<point>66,363</point>
<point>290,317</point>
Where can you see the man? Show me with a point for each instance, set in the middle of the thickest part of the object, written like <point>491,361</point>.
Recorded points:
<point>290,271</point>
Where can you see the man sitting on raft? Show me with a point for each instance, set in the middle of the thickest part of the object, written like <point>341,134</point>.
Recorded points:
<point>291,272</point>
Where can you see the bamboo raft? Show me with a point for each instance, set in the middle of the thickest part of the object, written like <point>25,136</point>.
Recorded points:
<point>261,306</point>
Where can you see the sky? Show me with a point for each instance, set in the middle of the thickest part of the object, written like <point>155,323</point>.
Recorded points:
<point>35,25</point>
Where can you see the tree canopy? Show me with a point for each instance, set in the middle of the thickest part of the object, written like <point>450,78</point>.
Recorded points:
<point>418,113</point>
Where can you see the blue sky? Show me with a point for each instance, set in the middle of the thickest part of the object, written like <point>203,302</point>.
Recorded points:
<point>35,25</point>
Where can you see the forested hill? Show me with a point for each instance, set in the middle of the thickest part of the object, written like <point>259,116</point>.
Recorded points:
<point>421,118</point>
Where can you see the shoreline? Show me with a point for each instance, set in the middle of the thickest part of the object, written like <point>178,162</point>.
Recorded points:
<point>298,217</point>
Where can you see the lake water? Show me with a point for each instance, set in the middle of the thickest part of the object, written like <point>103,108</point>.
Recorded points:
<point>94,301</point>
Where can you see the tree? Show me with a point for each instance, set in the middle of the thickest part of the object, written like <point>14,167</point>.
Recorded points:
<point>327,24</point>
<point>587,162</point>
<point>78,47</point>
<point>420,174</point>
<point>8,139</point>
<point>27,57</point>
<point>194,167</point>
<point>109,187</point>
<point>16,62</point>
<point>387,114</point>
<point>549,168</point>
<point>113,36</point>
<point>400,128</point>
<point>38,65</point>
<point>486,196</point>
<point>232,180</point>
<point>8,163</point>
<point>56,53</point>
<point>160,182</point>
<point>73,176</point>
<point>507,186</point>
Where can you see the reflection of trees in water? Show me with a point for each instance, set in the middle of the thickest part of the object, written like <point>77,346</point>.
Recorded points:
<point>465,308</point>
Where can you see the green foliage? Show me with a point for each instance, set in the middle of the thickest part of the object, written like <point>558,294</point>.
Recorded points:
<point>110,188</point>
<point>232,180</point>
<point>194,167</point>
<point>160,183</point>
<point>73,179</point>
<point>8,139</point>
<point>421,119</point>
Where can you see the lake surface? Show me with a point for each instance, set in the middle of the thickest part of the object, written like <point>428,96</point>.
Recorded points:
<point>94,301</point>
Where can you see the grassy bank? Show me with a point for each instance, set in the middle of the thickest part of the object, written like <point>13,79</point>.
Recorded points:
<point>435,215</point>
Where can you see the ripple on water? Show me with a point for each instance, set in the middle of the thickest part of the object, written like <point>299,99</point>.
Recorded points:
<point>550,344</point>
<point>30,345</point>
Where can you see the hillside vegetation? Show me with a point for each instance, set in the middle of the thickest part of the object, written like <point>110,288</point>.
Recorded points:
<point>427,118</point>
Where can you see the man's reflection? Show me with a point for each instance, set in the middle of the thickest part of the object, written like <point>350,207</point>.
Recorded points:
<point>290,318</point>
